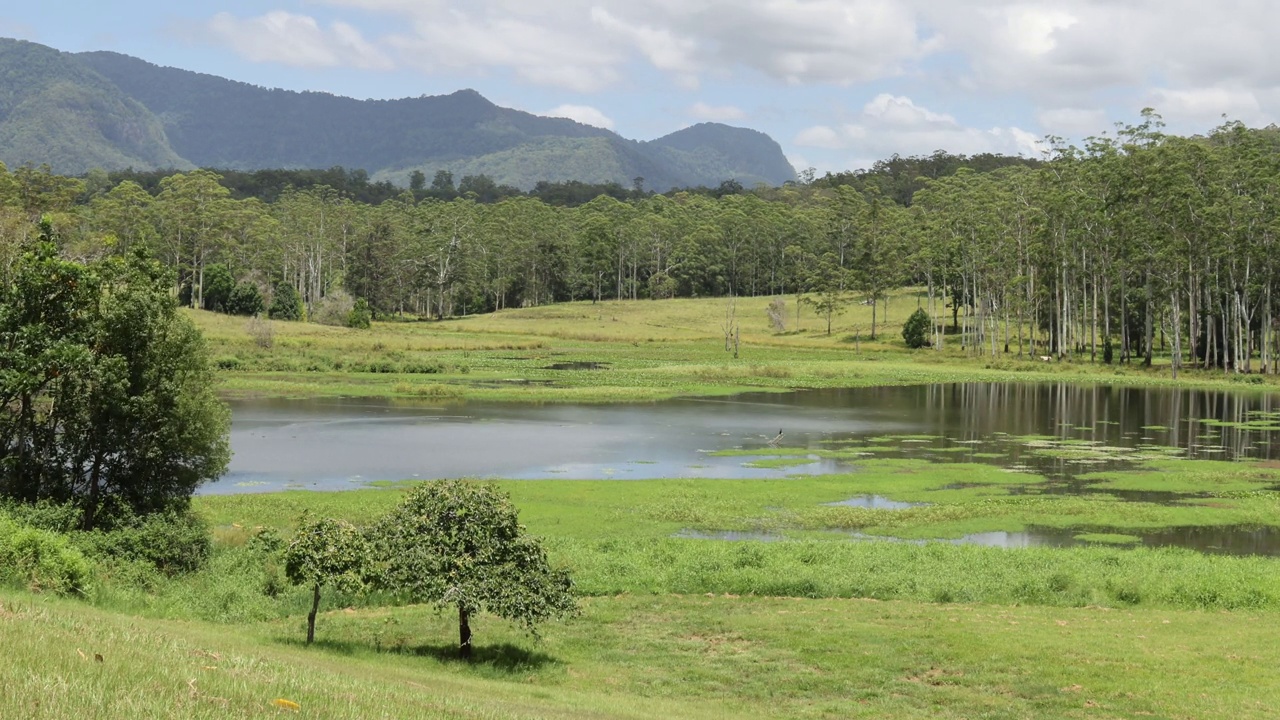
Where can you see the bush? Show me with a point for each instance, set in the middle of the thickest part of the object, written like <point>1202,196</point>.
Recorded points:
<point>333,309</point>
<point>217,287</point>
<point>287,303</point>
<point>43,515</point>
<point>361,315</point>
<point>245,299</point>
<point>262,332</point>
<point>40,560</point>
<point>173,542</point>
<point>915,331</point>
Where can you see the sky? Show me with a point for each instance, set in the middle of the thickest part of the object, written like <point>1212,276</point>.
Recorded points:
<point>838,83</point>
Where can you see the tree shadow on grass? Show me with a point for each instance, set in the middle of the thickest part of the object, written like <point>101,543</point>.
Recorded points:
<point>504,658</point>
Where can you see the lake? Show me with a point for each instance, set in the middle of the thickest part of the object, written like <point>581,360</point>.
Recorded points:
<point>337,444</point>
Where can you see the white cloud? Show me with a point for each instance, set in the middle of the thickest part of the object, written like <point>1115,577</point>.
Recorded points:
<point>1073,122</point>
<point>891,125</point>
<point>584,114</point>
<point>717,113</point>
<point>296,40</point>
<point>1204,107</point>
<point>584,45</point>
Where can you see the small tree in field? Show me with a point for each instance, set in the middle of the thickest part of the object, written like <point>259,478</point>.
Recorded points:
<point>457,544</point>
<point>915,331</point>
<point>326,552</point>
<point>287,303</point>
<point>827,281</point>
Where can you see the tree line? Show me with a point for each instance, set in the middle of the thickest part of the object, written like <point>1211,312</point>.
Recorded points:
<point>1134,244</point>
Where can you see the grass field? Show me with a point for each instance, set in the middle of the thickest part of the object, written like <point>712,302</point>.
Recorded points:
<point>651,656</point>
<point>796,620</point>
<point>642,350</point>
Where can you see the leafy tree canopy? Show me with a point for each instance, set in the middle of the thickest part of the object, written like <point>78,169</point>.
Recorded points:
<point>108,390</point>
<point>324,552</point>
<point>458,544</point>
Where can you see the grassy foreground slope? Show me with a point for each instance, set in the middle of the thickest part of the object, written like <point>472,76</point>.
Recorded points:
<point>644,350</point>
<point>670,656</point>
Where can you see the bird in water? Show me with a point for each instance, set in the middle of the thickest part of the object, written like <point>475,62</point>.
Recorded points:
<point>776,439</point>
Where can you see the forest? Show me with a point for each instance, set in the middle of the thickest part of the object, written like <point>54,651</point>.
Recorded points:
<point>1136,244</point>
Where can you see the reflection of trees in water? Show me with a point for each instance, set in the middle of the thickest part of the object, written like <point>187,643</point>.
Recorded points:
<point>1110,415</point>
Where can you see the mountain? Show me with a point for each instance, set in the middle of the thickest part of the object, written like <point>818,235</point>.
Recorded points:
<point>54,109</point>
<point>104,109</point>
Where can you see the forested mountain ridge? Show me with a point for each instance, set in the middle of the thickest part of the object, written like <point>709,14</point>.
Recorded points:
<point>56,110</point>
<point>112,111</point>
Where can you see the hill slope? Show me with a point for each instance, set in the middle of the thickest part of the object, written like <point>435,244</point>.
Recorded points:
<point>55,109</point>
<point>104,109</point>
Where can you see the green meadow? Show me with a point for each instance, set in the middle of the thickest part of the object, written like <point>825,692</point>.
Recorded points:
<point>637,351</point>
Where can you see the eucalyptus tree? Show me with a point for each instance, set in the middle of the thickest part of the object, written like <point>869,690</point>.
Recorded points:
<point>605,222</point>
<point>878,253</point>
<point>192,209</point>
<point>316,226</point>
<point>128,213</point>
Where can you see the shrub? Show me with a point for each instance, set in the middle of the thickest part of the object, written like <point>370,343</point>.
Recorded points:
<point>216,287</point>
<point>361,315</point>
<point>172,542</point>
<point>245,299</point>
<point>333,309</point>
<point>43,515</point>
<point>40,560</point>
<point>262,332</point>
<point>915,331</point>
<point>286,303</point>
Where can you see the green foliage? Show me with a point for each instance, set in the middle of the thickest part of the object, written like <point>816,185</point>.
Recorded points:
<point>361,315</point>
<point>55,110</point>
<point>111,390</point>
<point>286,303</point>
<point>245,299</point>
<point>458,544</point>
<point>218,288</point>
<point>41,560</point>
<point>172,542</point>
<point>326,552</point>
<point>915,331</point>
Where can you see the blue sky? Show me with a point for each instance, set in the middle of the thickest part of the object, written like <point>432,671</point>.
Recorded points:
<point>839,83</point>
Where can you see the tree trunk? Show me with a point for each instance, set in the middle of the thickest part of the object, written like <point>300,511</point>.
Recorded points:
<point>1148,326</point>
<point>311,616</point>
<point>464,633</point>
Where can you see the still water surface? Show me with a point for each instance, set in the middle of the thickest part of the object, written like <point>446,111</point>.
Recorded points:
<point>335,444</point>
<point>339,444</point>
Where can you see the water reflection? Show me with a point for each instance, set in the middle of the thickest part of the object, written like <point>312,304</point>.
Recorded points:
<point>334,444</point>
<point>874,502</point>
